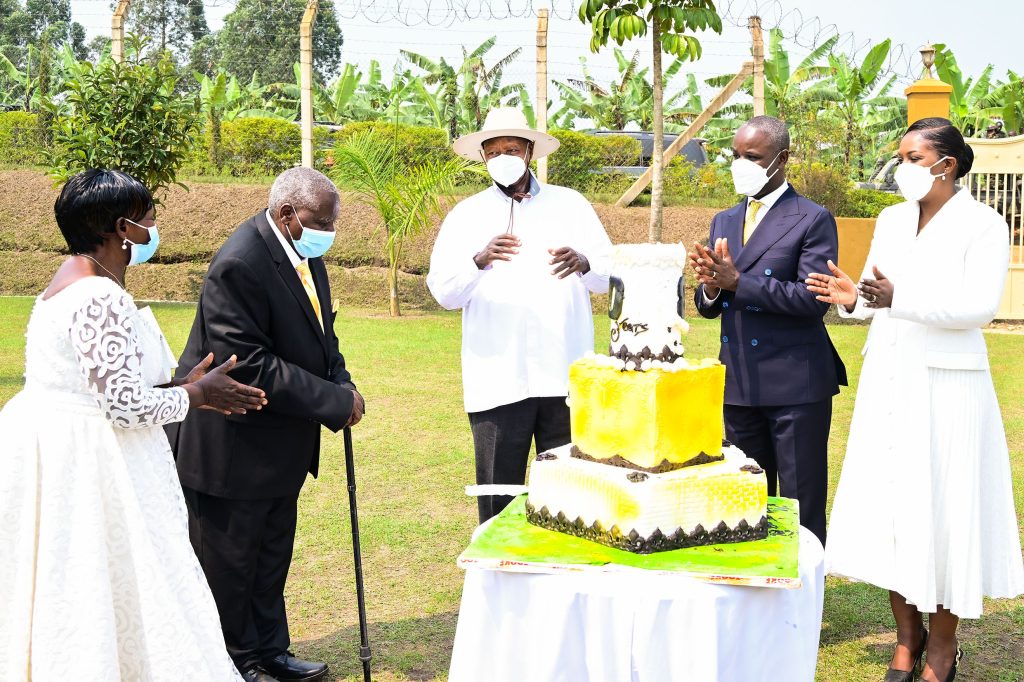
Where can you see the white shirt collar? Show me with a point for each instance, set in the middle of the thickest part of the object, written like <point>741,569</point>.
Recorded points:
<point>293,257</point>
<point>768,200</point>
<point>534,188</point>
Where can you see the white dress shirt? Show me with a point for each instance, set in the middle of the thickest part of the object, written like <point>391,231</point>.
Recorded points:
<point>521,326</point>
<point>293,257</point>
<point>767,201</point>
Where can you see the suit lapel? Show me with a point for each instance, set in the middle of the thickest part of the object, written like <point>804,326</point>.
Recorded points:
<point>290,277</point>
<point>732,228</point>
<point>780,219</point>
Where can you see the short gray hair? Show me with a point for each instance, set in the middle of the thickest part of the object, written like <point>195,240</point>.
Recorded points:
<point>299,187</point>
<point>774,128</point>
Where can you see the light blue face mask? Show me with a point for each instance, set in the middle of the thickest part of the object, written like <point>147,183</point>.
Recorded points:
<point>142,252</point>
<point>312,243</point>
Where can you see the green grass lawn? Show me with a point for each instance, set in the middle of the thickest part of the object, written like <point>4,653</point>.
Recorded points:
<point>413,457</point>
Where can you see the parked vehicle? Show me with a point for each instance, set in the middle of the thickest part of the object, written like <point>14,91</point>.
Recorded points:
<point>693,151</point>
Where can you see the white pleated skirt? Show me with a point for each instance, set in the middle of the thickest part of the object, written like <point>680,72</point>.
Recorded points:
<point>963,543</point>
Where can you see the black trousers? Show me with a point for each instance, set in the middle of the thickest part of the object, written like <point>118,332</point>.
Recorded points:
<point>245,549</point>
<point>790,443</point>
<point>502,438</point>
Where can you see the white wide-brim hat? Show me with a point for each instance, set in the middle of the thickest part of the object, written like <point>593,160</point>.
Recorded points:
<point>504,122</point>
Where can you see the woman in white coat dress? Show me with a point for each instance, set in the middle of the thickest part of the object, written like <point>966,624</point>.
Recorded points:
<point>924,506</point>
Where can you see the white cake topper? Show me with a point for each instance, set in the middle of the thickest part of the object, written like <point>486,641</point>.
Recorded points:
<point>645,304</point>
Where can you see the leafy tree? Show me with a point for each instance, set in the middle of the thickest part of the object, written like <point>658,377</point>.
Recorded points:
<point>168,24</point>
<point>669,22</point>
<point>262,36</point>
<point>407,198</point>
<point>126,116</point>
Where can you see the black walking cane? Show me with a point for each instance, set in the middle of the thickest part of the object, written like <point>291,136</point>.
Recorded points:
<point>350,475</point>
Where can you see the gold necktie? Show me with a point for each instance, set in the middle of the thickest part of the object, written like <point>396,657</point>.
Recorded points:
<point>306,277</point>
<point>748,225</point>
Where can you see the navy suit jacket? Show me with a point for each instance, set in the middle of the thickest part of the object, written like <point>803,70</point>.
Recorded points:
<point>775,347</point>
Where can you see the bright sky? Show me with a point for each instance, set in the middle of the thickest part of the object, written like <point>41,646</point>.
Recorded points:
<point>982,33</point>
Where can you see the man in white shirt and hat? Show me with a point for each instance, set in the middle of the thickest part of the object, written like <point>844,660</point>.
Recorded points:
<point>520,259</point>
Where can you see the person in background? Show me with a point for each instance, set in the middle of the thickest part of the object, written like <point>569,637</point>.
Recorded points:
<point>924,506</point>
<point>520,259</point>
<point>781,367</point>
<point>266,295</point>
<point>98,580</point>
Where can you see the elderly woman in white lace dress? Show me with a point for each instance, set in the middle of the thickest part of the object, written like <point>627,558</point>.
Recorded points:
<point>98,579</point>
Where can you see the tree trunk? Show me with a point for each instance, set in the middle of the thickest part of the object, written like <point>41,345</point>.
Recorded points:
<point>215,155</point>
<point>657,183</point>
<point>393,302</point>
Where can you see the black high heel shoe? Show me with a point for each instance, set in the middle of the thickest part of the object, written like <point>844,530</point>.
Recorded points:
<point>893,675</point>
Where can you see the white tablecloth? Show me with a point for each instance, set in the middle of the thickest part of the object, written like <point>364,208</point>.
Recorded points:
<point>634,625</point>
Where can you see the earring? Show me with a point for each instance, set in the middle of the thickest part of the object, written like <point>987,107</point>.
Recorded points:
<point>124,245</point>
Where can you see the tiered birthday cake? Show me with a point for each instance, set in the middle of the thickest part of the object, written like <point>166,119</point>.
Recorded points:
<point>648,470</point>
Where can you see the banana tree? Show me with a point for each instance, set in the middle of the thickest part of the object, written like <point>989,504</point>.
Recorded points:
<point>407,198</point>
<point>671,24</point>
<point>1010,97</point>
<point>466,91</point>
<point>851,90</point>
<point>971,108</point>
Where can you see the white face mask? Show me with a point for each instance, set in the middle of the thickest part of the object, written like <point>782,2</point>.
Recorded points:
<point>916,181</point>
<point>750,178</point>
<point>506,169</point>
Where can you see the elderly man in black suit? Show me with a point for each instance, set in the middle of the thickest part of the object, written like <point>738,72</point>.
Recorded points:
<point>266,299</point>
<point>781,367</point>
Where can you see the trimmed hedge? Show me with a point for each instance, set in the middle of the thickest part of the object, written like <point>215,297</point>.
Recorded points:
<point>22,141</point>
<point>868,203</point>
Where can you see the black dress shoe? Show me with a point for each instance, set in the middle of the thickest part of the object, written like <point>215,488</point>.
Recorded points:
<point>287,668</point>
<point>257,675</point>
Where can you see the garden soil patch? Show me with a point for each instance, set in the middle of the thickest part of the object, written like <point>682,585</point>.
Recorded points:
<point>195,223</point>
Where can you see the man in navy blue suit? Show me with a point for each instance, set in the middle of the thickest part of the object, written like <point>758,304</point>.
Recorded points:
<point>781,367</point>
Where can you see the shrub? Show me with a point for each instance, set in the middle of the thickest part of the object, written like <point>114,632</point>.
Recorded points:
<point>576,160</point>
<point>21,140</point>
<point>826,185</point>
<point>685,181</point>
<point>260,146</point>
<point>126,116</point>
<point>414,145</point>
<point>619,150</point>
<point>868,203</point>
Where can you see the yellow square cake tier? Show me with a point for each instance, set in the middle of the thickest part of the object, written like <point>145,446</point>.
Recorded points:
<point>667,413</point>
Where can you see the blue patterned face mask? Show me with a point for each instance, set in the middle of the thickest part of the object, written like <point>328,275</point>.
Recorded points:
<point>142,252</point>
<point>312,243</point>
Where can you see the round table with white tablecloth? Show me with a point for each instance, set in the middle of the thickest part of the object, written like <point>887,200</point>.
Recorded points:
<point>631,624</point>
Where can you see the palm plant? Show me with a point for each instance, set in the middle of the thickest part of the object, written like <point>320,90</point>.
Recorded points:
<point>407,198</point>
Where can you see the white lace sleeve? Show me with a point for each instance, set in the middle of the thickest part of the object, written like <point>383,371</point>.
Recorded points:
<point>107,347</point>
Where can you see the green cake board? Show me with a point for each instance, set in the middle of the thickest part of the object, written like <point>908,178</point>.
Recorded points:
<point>510,543</point>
